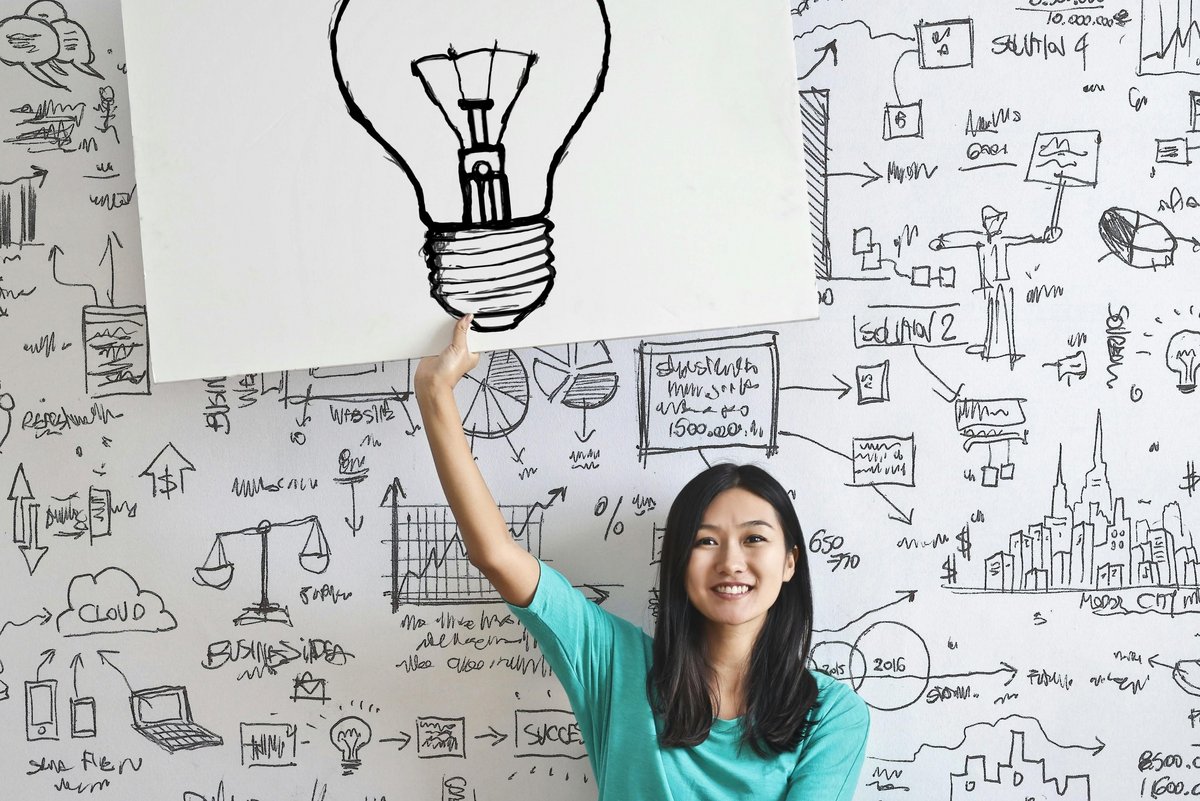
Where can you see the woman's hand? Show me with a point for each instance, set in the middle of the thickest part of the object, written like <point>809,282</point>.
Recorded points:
<point>448,367</point>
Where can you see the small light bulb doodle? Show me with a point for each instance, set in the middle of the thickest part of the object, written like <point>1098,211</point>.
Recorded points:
<point>1183,357</point>
<point>350,734</point>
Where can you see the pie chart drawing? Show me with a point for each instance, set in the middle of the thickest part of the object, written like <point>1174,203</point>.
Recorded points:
<point>495,395</point>
<point>569,374</point>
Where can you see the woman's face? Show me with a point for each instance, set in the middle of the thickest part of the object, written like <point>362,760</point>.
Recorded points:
<point>739,561</point>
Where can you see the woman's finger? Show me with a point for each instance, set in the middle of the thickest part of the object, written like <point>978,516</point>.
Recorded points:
<point>460,332</point>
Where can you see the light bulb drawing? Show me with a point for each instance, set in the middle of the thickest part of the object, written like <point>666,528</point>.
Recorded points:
<point>476,103</point>
<point>350,734</point>
<point>1183,358</point>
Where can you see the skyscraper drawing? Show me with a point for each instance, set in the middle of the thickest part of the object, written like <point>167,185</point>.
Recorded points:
<point>1093,544</point>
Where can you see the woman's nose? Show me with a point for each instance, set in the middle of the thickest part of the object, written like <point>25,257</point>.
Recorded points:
<point>732,560</point>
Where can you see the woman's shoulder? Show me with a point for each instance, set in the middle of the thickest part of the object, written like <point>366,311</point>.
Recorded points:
<point>836,699</point>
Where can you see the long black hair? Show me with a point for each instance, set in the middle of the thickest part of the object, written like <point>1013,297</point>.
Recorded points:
<point>780,692</point>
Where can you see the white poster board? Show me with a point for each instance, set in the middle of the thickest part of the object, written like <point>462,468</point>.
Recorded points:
<point>311,173</point>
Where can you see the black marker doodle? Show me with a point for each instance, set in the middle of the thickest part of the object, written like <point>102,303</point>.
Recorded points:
<point>83,718</point>
<point>217,570</point>
<point>111,602</point>
<point>350,735</point>
<point>1073,365</point>
<point>41,710</point>
<point>166,470</point>
<point>307,687</point>
<point>429,563</point>
<point>569,374</point>
<point>18,204</point>
<point>1093,544</point>
<point>7,404</point>
<point>872,383</point>
<point>890,457</point>
<point>163,715</point>
<point>1183,359</point>
<point>268,745</point>
<point>43,619</point>
<point>1010,741</point>
<point>1140,240</point>
<point>48,126</point>
<point>116,350</point>
<point>44,37</point>
<point>483,197</point>
<point>1170,38</point>
<point>348,391</point>
<point>814,115</point>
<point>1011,774</point>
<point>547,733</point>
<point>494,398</point>
<point>991,252</point>
<point>720,392</point>
<point>441,737</point>
<point>27,523</point>
<point>352,471</point>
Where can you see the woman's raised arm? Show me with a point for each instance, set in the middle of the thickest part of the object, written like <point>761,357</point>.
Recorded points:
<point>511,569</point>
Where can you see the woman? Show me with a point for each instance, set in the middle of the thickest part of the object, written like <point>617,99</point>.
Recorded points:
<point>719,704</point>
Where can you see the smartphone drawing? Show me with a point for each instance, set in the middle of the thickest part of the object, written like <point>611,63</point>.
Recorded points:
<point>41,710</point>
<point>83,717</point>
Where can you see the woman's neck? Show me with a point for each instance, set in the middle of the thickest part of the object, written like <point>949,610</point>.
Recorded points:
<point>728,652</point>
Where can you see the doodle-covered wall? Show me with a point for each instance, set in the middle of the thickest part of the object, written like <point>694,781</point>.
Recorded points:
<point>249,587</point>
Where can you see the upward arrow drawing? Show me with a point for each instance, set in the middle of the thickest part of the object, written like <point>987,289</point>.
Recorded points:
<point>112,270</point>
<point>19,493</point>
<point>826,50</point>
<point>391,498</point>
<point>166,466</point>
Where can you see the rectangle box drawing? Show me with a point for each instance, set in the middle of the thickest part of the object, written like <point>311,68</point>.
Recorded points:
<point>268,744</point>
<point>548,733</point>
<point>709,393</point>
<point>884,460</point>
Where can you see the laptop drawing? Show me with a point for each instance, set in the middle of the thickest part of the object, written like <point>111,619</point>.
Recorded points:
<point>163,716</point>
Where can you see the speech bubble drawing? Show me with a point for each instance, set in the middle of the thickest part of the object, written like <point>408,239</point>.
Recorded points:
<point>45,37</point>
<point>74,47</point>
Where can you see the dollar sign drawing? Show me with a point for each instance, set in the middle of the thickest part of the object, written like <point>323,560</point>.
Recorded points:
<point>167,483</point>
<point>951,568</point>
<point>964,543</point>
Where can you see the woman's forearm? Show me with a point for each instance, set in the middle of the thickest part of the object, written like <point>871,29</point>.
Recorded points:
<point>479,519</point>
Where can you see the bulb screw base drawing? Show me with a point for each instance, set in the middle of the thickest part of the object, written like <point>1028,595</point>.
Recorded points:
<point>500,275</point>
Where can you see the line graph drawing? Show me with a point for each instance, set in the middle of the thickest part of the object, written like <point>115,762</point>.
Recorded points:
<point>1170,38</point>
<point>429,564</point>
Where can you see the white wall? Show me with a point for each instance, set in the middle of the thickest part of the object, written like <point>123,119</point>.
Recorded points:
<point>1089,660</point>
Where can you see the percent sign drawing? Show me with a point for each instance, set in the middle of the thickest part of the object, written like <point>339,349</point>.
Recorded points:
<point>614,526</point>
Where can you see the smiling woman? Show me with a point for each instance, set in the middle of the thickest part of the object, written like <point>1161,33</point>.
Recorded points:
<point>719,704</point>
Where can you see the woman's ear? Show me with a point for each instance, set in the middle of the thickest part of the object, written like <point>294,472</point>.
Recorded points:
<point>789,563</point>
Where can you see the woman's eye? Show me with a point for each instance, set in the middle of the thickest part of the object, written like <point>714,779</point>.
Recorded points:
<point>756,538</point>
<point>705,541</point>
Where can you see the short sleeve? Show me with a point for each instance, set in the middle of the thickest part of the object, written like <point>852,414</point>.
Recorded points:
<point>831,756</point>
<point>576,637</point>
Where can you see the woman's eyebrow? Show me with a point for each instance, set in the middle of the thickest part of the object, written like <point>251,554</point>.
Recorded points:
<point>746,524</point>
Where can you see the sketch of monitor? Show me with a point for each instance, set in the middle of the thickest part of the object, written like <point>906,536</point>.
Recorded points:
<point>164,716</point>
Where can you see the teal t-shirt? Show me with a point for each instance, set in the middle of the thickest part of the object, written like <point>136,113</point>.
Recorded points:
<point>602,662</point>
